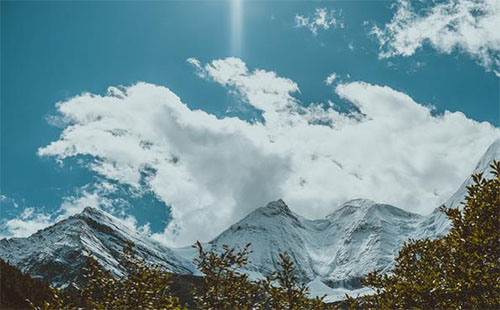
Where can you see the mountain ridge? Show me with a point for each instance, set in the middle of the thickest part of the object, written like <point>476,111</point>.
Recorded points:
<point>334,252</point>
<point>436,224</point>
<point>58,252</point>
<point>328,248</point>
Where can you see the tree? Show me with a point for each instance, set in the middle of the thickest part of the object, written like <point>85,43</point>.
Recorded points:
<point>460,270</point>
<point>58,300</point>
<point>20,291</point>
<point>223,286</point>
<point>284,291</point>
<point>144,286</point>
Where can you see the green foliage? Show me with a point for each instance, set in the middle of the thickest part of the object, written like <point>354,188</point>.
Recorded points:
<point>57,301</point>
<point>143,287</point>
<point>224,287</point>
<point>458,271</point>
<point>284,291</point>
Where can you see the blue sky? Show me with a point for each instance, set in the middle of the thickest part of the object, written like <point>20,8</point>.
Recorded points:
<point>53,51</point>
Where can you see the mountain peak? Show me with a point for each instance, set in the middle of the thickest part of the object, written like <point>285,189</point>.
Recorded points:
<point>365,208</point>
<point>352,206</point>
<point>359,202</point>
<point>101,218</point>
<point>91,212</point>
<point>277,207</point>
<point>59,252</point>
<point>278,204</point>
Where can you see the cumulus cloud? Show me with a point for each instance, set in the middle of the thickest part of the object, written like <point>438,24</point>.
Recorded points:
<point>469,26</point>
<point>212,171</point>
<point>84,197</point>
<point>96,195</point>
<point>331,78</point>
<point>26,224</point>
<point>321,19</point>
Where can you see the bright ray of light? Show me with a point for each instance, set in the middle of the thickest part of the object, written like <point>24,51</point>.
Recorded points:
<point>236,27</point>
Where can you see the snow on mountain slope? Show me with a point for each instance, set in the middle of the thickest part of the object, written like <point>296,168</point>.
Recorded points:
<point>364,236</point>
<point>358,237</point>
<point>355,239</point>
<point>271,229</point>
<point>331,254</point>
<point>57,253</point>
<point>318,289</point>
<point>436,224</point>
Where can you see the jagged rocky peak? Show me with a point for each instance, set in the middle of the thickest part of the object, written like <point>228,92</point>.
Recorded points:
<point>104,222</point>
<point>92,212</point>
<point>277,207</point>
<point>97,215</point>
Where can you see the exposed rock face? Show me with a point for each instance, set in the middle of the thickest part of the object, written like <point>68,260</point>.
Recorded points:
<point>58,252</point>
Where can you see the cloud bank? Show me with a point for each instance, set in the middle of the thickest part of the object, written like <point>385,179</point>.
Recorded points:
<point>212,171</point>
<point>469,26</point>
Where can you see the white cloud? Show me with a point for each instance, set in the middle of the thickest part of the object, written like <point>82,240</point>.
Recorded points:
<point>213,171</point>
<point>26,224</point>
<point>469,26</point>
<point>321,19</point>
<point>131,222</point>
<point>72,205</point>
<point>331,78</point>
<point>94,195</point>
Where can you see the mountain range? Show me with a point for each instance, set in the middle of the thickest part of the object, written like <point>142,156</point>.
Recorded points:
<point>331,254</point>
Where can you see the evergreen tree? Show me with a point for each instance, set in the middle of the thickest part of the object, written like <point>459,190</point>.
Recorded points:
<point>19,290</point>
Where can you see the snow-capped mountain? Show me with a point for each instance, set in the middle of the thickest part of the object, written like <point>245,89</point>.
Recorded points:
<point>436,224</point>
<point>356,238</point>
<point>332,254</point>
<point>57,253</point>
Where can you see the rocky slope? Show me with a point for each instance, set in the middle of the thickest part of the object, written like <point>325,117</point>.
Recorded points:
<point>57,253</point>
<point>331,253</point>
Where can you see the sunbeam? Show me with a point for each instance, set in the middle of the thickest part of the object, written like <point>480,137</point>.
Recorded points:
<point>236,27</point>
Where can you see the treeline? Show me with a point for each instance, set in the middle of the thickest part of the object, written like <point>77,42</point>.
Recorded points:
<point>16,287</point>
<point>458,271</point>
<point>223,286</point>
